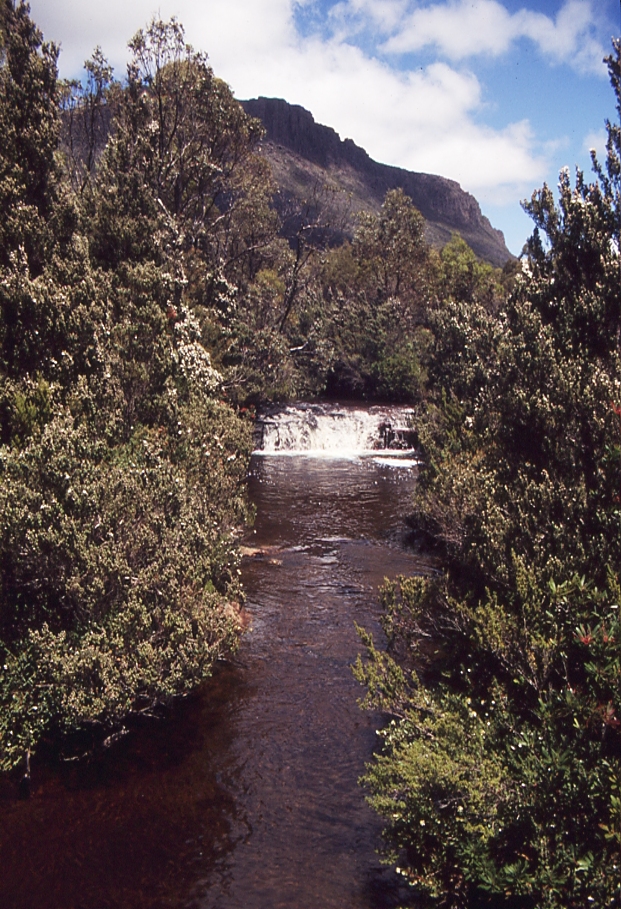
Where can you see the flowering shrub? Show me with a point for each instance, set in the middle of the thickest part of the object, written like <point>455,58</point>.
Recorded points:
<point>118,574</point>
<point>122,474</point>
<point>500,775</point>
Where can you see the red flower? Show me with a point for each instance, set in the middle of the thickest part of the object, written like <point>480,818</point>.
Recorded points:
<point>607,713</point>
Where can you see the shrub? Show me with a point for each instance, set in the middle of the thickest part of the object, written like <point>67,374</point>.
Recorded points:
<point>500,777</point>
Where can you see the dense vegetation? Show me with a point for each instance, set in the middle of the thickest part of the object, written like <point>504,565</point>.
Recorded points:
<point>500,775</point>
<point>148,302</point>
<point>122,469</point>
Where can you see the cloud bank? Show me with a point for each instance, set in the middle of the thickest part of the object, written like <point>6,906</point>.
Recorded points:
<point>462,29</point>
<point>355,69</point>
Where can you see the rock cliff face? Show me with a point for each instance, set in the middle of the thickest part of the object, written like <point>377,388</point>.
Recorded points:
<point>305,154</point>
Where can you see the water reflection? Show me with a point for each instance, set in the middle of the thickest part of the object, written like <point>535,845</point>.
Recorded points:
<point>132,827</point>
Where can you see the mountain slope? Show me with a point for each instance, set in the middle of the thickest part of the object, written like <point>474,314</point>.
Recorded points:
<point>304,155</point>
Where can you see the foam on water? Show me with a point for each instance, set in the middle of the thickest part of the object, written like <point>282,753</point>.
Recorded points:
<point>331,431</point>
<point>397,462</point>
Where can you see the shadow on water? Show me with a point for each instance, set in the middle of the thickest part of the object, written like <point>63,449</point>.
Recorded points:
<point>246,794</point>
<point>134,825</point>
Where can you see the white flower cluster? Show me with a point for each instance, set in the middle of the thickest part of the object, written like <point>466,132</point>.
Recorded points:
<point>194,361</point>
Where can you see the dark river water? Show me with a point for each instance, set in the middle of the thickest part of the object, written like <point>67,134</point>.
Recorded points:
<point>245,796</point>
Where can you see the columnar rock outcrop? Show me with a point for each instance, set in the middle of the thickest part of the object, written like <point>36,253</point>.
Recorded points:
<point>303,153</point>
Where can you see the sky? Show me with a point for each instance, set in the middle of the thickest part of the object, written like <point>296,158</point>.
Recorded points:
<point>496,94</point>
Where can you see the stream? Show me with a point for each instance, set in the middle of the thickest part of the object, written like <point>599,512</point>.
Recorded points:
<point>245,796</point>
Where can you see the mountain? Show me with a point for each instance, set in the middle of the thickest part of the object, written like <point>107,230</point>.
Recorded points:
<point>304,155</point>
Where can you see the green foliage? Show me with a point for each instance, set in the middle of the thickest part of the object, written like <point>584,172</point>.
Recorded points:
<point>143,285</point>
<point>118,568</point>
<point>26,408</point>
<point>29,124</point>
<point>500,780</point>
<point>122,473</point>
<point>345,321</point>
<point>465,278</point>
<point>500,773</point>
<point>391,250</point>
<point>378,290</point>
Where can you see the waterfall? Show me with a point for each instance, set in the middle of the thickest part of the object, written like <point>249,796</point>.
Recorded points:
<point>322,430</point>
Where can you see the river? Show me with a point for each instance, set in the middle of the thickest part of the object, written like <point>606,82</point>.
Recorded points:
<point>245,796</point>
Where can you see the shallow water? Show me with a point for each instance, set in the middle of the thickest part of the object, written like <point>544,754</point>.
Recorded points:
<point>247,795</point>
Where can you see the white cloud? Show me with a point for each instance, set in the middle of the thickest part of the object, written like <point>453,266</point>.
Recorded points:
<point>80,28</point>
<point>350,15</point>
<point>458,29</point>
<point>461,29</point>
<point>424,119</point>
<point>570,39</point>
<point>233,27</point>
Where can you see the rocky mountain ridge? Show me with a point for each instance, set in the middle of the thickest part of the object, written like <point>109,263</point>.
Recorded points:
<point>304,154</point>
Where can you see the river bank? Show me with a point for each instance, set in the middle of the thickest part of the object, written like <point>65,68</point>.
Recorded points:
<point>247,795</point>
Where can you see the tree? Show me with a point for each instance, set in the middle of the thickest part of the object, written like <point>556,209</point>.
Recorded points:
<point>29,120</point>
<point>465,278</point>
<point>179,130</point>
<point>87,115</point>
<point>36,217</point>
<point>392,251</point>
<point>380,289</point>
<point>501,775</point>
<point>121,471</point>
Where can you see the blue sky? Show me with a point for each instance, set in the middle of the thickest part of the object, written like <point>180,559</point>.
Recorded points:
<point>496,94</point>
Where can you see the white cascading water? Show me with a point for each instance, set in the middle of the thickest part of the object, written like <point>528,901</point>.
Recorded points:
<point>320,430</point>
